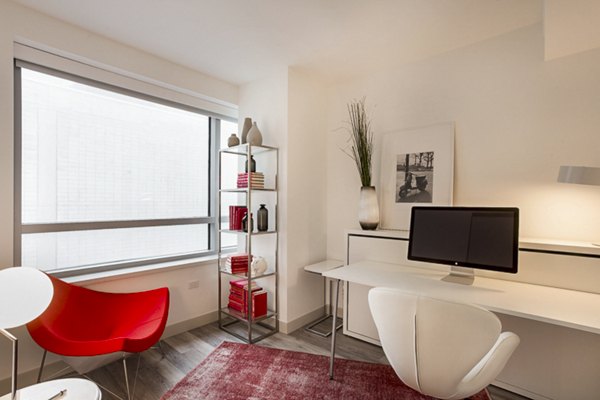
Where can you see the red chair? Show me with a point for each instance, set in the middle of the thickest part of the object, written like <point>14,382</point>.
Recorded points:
<point>83,322</point>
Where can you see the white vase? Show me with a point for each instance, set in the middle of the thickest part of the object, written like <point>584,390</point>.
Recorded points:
<point>254,135</point>
<point>258,266</point>
<point>245,128</point>
<point>368,208</point>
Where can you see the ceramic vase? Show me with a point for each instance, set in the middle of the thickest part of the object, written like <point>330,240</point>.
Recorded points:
<point>233,140</point>
<point>258,266</point>
<point>252,165</point>
<point>368,208</point>
<point>254,136</point>
<point>245,128</point>
<point>262,219</point>
<point>247,226</point>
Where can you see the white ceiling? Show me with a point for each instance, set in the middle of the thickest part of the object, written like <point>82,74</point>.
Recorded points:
<point>243,40</point>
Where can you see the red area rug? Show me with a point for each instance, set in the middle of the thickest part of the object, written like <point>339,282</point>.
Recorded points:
<point>241,371</point>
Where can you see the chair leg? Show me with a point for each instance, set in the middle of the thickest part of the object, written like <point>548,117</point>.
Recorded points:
<point>126,378</point>
<point>39,377</point>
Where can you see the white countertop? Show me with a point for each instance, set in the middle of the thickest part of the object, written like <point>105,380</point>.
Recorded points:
<point>569,308</point>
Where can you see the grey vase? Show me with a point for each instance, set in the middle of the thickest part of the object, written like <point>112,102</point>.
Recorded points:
<point>254,136</point>
<point>245,128</point>
<point>233,140</point>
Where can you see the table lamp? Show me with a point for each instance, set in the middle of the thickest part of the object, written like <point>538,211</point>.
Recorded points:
<point>580,175</point>
<point>24,294</point>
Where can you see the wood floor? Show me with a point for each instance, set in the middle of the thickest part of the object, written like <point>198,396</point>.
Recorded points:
<point>158,373</point>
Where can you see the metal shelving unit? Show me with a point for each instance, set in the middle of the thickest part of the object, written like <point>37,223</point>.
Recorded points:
<point>244,327</point>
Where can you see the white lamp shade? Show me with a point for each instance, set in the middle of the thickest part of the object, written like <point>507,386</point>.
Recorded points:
<point>24,294</point>
<point>580,175</point>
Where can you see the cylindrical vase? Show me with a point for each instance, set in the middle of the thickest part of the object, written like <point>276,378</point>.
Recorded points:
<point>368,208</point>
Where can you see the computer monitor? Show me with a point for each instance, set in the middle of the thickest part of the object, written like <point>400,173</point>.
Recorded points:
<point>465,238</point>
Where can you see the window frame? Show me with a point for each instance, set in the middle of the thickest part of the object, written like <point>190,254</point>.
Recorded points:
<point>214,136</point>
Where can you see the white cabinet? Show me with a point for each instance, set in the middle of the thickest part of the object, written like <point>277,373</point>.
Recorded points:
<point>384,246</point>
<point>551,362</point>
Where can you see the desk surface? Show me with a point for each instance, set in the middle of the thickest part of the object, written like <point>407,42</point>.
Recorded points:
<point>569,308</point>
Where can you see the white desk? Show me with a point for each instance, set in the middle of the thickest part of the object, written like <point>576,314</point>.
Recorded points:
<point>77,389</point>
<point>569,308</point>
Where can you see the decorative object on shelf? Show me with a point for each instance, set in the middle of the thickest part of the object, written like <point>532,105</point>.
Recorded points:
<point>233,140</point>
<point>262,219</point>
<point>239,295</point>
<point>368,209</point>
<point>361,151</point>
<point>257,180</point>
<point>237,264</point>
<point>258,266</point>
<point>252,165</point>
<point>25,293</point>
<point>245,223</point>
<point>417,167</point>
<point>245,128</point>
<point>236,213</point>
<point>254,135</point>
<point>580,176</point>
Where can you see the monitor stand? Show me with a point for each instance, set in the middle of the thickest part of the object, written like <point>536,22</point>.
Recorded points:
<point>461,275</point>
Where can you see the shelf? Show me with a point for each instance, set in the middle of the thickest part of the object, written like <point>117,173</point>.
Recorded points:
<point>559,246</point>
<point>242,149</point>
<point>245,190</point>
<point>254,329</point>
<point>241,317</point>
<point>254,233</point>
<point>244,276</point>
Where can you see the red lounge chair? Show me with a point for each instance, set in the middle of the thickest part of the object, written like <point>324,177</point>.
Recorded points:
<point>83,322</point>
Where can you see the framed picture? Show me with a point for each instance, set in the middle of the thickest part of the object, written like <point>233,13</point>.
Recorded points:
<point>417,168</point>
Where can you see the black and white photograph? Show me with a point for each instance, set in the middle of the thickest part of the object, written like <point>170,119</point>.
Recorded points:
<point>414,177</point>
<point>417,168</point>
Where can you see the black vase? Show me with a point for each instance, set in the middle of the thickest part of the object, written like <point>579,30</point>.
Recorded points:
<point>245,223</point>
<point>252,165</point>
<point>262,219</point>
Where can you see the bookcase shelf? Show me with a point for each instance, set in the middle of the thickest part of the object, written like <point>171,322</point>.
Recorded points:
<point>234,322</point>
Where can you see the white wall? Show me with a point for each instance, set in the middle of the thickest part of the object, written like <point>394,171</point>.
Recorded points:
<point>265,101</point>
<point>187,305</point>
<point>518,118</point>
<point>290,110</point>
<point>306,216</point>
<point>570,27</point>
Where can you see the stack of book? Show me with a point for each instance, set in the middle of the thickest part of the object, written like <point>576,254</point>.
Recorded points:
<point>239,296</point>
<point>237,264</point>
<point>256,179</point>
<point>236,214</point>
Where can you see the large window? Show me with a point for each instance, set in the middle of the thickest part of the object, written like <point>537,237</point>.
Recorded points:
<point>109,178</point>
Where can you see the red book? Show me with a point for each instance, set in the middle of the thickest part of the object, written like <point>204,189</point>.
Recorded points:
<point>235,219</point>
<point>259,304</point>
<point>243,284</point>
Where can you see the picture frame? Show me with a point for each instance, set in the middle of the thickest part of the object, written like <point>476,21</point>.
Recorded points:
<point>417,168</point>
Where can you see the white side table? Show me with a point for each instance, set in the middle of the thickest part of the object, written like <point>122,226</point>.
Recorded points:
<point>77,389</point>
<point>319,268</point>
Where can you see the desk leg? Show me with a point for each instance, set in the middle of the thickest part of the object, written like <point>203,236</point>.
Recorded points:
<point>333,327</point>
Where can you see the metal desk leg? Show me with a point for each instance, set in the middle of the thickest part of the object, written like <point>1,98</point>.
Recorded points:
<point>333,329</point>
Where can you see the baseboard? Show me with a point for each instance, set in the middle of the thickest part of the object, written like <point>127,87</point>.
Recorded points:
<point>189,324</point>
<point>520,391</point>
<point>28,378</point>
<point>300,322</point>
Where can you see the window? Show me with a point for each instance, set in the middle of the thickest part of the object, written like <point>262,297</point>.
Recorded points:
<point>110,178</point>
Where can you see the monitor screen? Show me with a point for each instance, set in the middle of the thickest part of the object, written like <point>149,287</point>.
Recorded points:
<point>474,237</point>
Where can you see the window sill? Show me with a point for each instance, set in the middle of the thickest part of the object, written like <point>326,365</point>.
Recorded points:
<point>115,274</point>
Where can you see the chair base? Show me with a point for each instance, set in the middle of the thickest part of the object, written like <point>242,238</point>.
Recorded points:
<point>324,333</point>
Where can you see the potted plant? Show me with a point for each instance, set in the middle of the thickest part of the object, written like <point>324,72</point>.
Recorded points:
<point>361,151</point>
